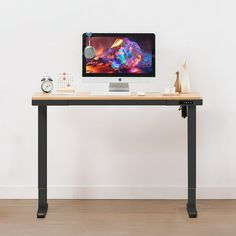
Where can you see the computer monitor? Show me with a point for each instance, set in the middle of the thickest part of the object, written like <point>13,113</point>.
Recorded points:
<point>119,56</point>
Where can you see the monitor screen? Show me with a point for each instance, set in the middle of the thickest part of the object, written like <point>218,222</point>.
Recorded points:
<point>120,55</point>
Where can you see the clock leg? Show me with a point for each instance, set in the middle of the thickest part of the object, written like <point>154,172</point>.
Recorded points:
<point>42,162</point>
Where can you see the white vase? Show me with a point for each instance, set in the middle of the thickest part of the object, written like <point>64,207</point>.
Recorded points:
<point>185,83</point>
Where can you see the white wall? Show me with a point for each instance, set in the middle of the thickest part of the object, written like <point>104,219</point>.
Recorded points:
<point>117,152</point>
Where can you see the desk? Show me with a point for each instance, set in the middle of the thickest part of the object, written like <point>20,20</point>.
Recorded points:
<point>186,102</point>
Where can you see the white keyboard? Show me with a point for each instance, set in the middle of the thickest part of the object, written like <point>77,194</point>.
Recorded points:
<point>110,93</point>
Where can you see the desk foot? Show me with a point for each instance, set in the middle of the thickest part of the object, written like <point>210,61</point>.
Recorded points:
<point>42,211</point>
<point>192,211</point>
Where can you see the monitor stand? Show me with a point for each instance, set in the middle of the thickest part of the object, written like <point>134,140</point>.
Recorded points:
<point>119,87</point>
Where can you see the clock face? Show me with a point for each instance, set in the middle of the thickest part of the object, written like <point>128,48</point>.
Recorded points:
<point>47,86</point>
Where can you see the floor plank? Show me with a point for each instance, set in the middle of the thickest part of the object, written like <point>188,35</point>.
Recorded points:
<point>118,217</point>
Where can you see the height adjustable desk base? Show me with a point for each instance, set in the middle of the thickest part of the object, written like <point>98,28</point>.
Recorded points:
<point>188,104</point>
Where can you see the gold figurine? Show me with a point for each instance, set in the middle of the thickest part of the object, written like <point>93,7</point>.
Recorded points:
<point>177,83</point>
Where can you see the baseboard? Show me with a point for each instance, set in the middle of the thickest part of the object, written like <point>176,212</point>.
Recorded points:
<point>117,192</point>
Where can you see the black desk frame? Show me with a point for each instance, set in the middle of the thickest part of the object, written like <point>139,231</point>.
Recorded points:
<point>188,109</point>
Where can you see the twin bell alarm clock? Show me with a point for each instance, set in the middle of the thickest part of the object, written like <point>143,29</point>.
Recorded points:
<point>47,84</point>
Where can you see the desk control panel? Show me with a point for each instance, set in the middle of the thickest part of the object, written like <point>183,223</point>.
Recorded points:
<point>186,103</point>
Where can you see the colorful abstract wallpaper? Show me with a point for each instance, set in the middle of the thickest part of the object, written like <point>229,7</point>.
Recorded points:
<point>120,55</point>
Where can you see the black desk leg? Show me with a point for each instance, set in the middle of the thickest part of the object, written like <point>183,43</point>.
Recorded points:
<point>42,162</point>
<point>191,205</point>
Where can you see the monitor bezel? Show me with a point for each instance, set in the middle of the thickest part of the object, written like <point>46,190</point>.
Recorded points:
<point>153,39</point>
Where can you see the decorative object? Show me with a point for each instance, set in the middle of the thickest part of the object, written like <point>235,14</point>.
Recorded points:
<point>65,83</point>
<point>47,84</point>
<point>177,83</point>
<point>89,51</point>
<point>185,83</point>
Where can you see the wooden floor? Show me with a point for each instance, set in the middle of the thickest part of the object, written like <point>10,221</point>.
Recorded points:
<point>118,218</point>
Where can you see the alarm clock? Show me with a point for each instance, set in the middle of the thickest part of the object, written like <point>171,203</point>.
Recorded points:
<point>47,85</point>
